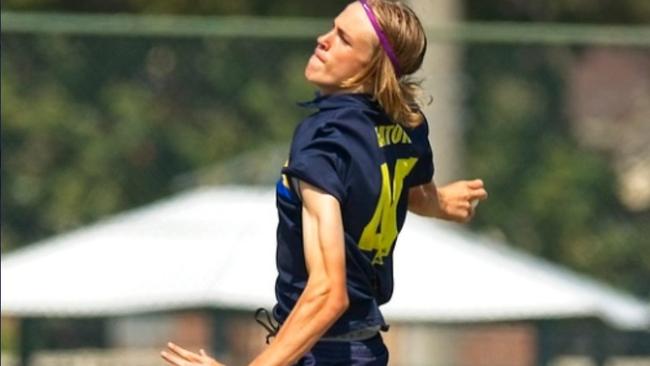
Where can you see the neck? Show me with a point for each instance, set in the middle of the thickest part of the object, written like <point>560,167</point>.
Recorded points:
<point>334,90</point>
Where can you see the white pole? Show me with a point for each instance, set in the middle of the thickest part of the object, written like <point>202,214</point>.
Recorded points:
<point>441,74</point>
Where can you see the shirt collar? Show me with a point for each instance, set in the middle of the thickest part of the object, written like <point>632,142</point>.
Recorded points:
<point>340,100</point>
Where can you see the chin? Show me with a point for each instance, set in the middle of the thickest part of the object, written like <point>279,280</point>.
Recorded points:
<point>312,78</point>
<point>317,79</point>
<point>308,74</point>
<point>311,71</point>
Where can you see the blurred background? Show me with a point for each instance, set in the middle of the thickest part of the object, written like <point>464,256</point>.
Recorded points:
<point>109,106</point>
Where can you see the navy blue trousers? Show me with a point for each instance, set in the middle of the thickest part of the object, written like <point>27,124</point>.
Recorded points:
<point>371,352</point>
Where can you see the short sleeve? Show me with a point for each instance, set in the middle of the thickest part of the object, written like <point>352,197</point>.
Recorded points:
<point>423,171</point>
<point>319,156</point>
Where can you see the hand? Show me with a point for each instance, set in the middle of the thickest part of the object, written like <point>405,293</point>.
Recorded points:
<point>457,200</point>
<point>179,356</point>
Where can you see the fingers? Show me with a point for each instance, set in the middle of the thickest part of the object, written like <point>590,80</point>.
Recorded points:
<point>460,211</point>
<point>188,355</point>
<point>475,184</point>
<point>177,355</point>
<point>459,200</point>
<point>172,359</point>
<point>478,194</point>
<point>476,190</point>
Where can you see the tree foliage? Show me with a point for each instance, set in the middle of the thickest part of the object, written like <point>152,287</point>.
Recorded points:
<point>569,11</point>
<point>202,7</point>
<point>549,195</point>
<point>92,126</point>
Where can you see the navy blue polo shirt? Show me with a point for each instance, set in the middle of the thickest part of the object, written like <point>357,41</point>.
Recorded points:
<point>351,149</point>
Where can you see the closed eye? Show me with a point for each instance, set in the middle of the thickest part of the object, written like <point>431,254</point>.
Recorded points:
<point>342,35</point>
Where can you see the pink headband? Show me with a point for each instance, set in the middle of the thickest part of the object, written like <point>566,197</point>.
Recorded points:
<point>385,44</point>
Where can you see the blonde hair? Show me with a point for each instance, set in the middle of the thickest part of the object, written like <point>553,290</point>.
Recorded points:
<point>397,94</point>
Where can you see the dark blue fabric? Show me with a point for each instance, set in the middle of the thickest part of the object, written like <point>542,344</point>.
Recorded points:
<point>338,150</point>
<point>371,352</point>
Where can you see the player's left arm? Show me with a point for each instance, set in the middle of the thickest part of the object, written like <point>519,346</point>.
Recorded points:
<point>453,202</point>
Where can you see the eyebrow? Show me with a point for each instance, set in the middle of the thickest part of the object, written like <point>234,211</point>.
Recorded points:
<point>343,33</point>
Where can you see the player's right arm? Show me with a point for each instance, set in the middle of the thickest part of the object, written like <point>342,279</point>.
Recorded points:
<point>325,297</point>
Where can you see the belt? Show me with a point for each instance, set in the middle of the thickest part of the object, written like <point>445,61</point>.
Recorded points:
<point>355,335</point>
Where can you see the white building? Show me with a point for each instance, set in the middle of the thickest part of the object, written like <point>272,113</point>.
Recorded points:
<point>214,248</point>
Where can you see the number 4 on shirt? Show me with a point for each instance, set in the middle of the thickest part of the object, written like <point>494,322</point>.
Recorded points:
<point>380,233</point>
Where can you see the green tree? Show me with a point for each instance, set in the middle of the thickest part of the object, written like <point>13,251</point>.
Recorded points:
<point>569,11</point>
<point>548,195</point>
<point>94,125</point>
<point>204,7</point>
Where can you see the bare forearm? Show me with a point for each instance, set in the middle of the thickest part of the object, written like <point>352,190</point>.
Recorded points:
<point>425,202</point>
<point>324,298</point>
<point>309,320</point>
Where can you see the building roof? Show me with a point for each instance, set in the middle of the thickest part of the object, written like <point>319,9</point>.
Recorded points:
<point>215,247</point>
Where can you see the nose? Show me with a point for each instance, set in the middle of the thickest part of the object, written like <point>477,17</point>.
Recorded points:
<point>323,40</point>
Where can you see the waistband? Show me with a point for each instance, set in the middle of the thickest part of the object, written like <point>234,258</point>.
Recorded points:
<point>355,335</point>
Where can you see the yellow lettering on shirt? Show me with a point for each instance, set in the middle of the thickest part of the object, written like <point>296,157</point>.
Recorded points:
<point>380,233</point>
<point>390,135</point>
